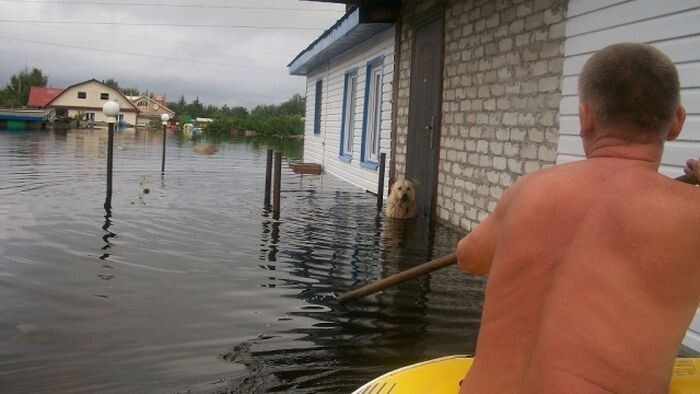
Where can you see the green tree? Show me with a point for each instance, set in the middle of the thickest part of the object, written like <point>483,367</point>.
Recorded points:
<point>130,91</point>
<point>111,83</point>
<point>294,106</point>
<point>16,92</point>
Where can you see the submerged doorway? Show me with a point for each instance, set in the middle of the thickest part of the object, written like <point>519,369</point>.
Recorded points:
<point>423,142</point>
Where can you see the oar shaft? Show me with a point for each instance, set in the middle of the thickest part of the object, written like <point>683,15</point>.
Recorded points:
<point>402,276</point>
<point>431,266</point>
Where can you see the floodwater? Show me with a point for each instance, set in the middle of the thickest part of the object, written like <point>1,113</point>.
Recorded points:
<point>187,284</point>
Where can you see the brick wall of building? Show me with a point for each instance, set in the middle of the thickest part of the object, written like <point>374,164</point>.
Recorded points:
<point>501,93</point>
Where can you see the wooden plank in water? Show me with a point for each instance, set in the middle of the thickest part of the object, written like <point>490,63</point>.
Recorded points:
<point>306,168</point>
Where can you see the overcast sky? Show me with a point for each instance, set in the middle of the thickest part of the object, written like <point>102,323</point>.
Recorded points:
<point>222,63</point>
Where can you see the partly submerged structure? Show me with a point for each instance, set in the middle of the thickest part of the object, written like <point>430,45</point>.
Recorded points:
<point>85,100</point>
<point>474,94</point>
<point>150,108</point>
<point>25,119</point>
<point>349,84</point>
<point>467,96</point>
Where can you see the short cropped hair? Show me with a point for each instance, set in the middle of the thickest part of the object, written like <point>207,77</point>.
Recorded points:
<point>631,84</point>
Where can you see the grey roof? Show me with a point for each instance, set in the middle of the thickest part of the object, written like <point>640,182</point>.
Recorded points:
<point>352,29</point>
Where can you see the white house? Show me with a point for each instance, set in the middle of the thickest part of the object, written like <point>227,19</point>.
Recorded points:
<point>349,86</point>
<point>87,98</point>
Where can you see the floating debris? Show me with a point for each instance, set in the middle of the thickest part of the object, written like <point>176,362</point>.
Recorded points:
<point>205,149</point>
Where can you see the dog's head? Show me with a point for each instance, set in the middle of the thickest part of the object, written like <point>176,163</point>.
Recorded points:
<point>402,191</point>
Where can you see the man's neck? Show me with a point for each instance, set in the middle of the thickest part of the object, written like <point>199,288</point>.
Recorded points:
<point>647,154</point>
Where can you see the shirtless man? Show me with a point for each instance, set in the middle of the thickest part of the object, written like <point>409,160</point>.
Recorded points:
<point>594,266</point>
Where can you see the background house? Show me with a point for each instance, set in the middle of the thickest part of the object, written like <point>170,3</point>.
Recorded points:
<point>87,98</point>
<point>149,108</point>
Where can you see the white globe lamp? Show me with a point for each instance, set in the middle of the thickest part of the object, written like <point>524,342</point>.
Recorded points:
<point>111,110</point>
<point>165,118</point>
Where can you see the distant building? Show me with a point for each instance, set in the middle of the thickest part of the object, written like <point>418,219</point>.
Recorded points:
<point>150,108</point>
<point>39,96</point>
<point>87,98</point>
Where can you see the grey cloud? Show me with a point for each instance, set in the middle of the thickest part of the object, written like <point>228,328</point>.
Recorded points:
<point>220,66</point>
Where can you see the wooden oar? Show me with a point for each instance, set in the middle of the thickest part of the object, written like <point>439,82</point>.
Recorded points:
<point>430,266</point>
<point>397,278</point>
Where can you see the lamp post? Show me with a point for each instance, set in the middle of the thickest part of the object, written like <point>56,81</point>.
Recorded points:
<point>111,110</point>
<point>164,118</point>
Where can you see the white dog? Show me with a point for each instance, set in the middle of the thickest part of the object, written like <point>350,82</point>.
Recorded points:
<point>401,203</point>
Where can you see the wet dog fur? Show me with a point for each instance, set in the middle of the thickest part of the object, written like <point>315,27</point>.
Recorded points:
<point>401,202</point>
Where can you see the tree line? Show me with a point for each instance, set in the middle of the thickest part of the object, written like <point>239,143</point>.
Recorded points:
<point>283,119</point>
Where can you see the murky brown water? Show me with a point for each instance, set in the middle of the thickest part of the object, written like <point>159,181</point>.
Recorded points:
<point>192,287</point>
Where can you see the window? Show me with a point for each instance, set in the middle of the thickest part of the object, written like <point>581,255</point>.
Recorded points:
<point>104,96</point>
<point>143,103</point>
<point>89,116</point>
<point>82,95</point>
<point>317,107</point>
<point>372,114</point>
<point>347,129</point>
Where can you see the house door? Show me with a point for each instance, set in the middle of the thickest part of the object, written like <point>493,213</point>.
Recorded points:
<point>424,111</point>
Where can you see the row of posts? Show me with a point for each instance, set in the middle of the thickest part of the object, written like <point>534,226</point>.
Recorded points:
<point>278,182</point>
<point>111,110</point>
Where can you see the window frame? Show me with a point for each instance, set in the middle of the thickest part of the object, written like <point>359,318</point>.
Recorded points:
<point>104,96</point>
<point>347,125</point>
<point>318,104</point>
<point>83,94</point>
<point>366,158</point>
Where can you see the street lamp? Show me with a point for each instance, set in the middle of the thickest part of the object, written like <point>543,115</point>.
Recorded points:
<point>164,118</point>
<point>111,110</point>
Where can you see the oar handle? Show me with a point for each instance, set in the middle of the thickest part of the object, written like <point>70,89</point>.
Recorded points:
<point>402,276</point>
<point>688,178</point>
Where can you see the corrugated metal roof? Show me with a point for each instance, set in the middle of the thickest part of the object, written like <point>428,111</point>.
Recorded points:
<point>39,97</point>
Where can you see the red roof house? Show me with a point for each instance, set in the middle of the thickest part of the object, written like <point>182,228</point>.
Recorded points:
<point>39,97</point>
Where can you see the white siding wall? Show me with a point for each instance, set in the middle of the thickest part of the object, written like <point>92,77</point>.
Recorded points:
<point>324,148</point>
<point>671,26</point>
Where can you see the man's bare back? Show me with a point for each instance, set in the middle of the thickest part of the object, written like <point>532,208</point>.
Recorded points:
<point>594,266</point>
<point>574,257</point>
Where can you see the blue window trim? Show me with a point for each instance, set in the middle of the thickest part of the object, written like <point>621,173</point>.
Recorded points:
<point>342,154</point>
<point>369,165</point>
<point>318,104</point>
<point>363,161</point>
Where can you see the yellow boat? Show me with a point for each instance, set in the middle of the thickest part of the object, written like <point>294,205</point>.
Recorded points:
<point>442,375</point>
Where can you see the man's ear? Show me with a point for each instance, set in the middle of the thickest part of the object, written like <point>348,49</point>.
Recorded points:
<point>676,124</point>
<point>586,119</point>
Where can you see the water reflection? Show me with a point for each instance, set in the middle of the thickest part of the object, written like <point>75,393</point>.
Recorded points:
<point>336,245</point>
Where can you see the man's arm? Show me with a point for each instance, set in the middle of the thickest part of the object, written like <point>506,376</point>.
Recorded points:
<point>475,251</point>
